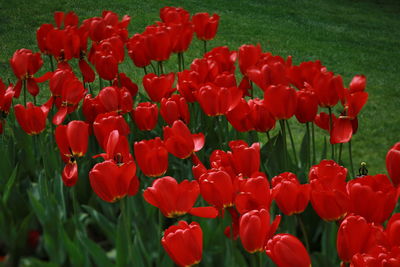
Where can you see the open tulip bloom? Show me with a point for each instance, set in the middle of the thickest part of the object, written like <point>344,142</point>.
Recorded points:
<point>195,164</point>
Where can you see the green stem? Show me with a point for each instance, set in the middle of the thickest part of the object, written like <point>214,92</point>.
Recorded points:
<point>127,225</point>
<point>179,62</point>
<point>182,61</point>
<point>160,227</point>
<point>292,142</point>
<point>330,132</point>
<point>24,88</point>
<point>314,159</point>
<point>308,146</point>
<point>100,83</point>
<point>154,69</point>
<point>268,136</point>
<point>303,231</point>
<point>340,152</point>
<point>51,63</point>
<point>160,65</point>
<point>145,70</point>
<point>351,160</point>
<point>284,149</point>
<point>205,46</point>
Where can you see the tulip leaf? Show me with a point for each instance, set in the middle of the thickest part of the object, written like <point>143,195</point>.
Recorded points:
<point>75,254</point>
<point>33,262</point>
<point>105,225</point>
<point>97,253</point>
<point>9,185</point>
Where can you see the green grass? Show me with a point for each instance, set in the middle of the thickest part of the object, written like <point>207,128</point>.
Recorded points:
<point>349,37</point>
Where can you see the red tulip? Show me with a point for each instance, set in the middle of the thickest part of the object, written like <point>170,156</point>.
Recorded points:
<point>328,88</point>
<point>248,56</point>
<point>152,157</point>
<point>115,99</point>
<point>70,174</point>
<point>223,60</point>
<point>32,119</point>
<point>175,199</point>
<point>377,256</point>
<point>72,139</point>
<point>158,87</point>
<point>261,118</point>
<point>217,188</point>
<point>254,194</point>
<point>239,116</point>
<point>180,142</point>
<point>159,42</point>
<point>124,81</point>
<point>342,131</point>
<point>174,108</point>
<point>356,235</point>
<point>184,243</point>
<point>305,73</point>
<point>307,106</point>
<point>182,35</point>
<point>117,148</point>
<point>206,69</point>
<point>392,164</point>
<point>256,229</point>
<point>6,96</point>
<point>372,197</point>
<point>205,26</point>
<point>322,120</point>
<point>145,116</point>
<point>187,84</point>
<point>216,101</point>
<point>290,196</point>
<point>393,230</point>
<point>281,101</point>
<point>138,50</point>
<point>111,181</point>
<point>105,124</point>
<point>329,197</point>
<point>358,84</point>
<point>175,15</point>
<point>245,159</point>
<point>286,250</point>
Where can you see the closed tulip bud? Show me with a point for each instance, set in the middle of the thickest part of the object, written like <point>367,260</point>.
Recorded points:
<point>31,118</point>
<point>205,26</point>
<point>215,101</point>
<point>358,84</point>
<point>138,50</point>
<point>180,142</point>
<point>184,243</point>
<point>159,42</point>
<point>246,160</point>
<point>285,250</point>
<point>217,188</point>
<point>307,106</point>
<point>112,181</point>
<point>174,108</point>
<point>145,116</point>
<point>254,194</point>
<point>105,124</point>
<point>393,164</point>
<point>116,99</point>
<point>239,117</point>
<point>328,88</point>
<point>70,174</point>
<point>261,118</point>
<point>72,139</point>
<point>182,35</point>
<point>356,235</point>
<point>255,229</point>
<point>373,197</point>
<point>290,196</point>
<point>281,101</point>
<point>152,157</point>
<point>158,87</point>
<point>248,56</point>
<point>175,15</point>
<point>175,199</point>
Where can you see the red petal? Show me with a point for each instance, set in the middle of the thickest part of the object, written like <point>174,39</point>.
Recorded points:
<point>204,212</point>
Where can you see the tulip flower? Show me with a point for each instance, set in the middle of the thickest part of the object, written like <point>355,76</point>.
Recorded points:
<point>307,106</point>
<point>215,101</point>
<point>356,235</point>
<point>112,181</point>
<point>255,229</point>
<point>254,194</point>
<point>6,96</point>
<point>358,84</point>
<point>184,243</point>
<point>159,42</point>
<point>72,139</point>
<point>182,35</point>
<point>180,142</point>
<point>152,157</point>
<point>329,196</point>
<point>105,124</point>
<point>261,118</point>
<point>108,54</point>
<point>145,116</point>
<point>174,108</point>
<point>70,174</point>
<point>377,256</point>
<point>248,56</point>
<point>281,101</point>
<point>290,196</point>
<point>175,199</point>
<point>328,88</point>
<point>158,87</point>
<point>221,59</point>
<point>239,116</point>
<point>246,160</point>
<point>117,148</point>
<point>217,188</point>
<point>187,84</point>
<point>392,164</point>
<point>138,50</point>
<point>373,197</point>
<point>393,230</point>
<point>205,26</point>
<point>31,118</point>
<point>285,250</point>
<point>174,15</point>
<point>116,99</point>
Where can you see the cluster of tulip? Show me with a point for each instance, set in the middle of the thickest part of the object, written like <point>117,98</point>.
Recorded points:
<point>204,99</point>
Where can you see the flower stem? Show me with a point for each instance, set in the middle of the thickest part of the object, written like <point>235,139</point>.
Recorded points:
<point>303,231</point>
<point>205,46</point>
<point>330,132</point>
<point>292,142</point>
<point>314,159</point>
<point>351,160</point>
<point>308,146</point>
<point>283,131</point>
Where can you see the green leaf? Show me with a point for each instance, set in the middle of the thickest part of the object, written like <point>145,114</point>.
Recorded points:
<point>75,254</point>
<point>33,262</point>
<point>122,242</point>
<point>9,186</point>
<point>105,225</point>
<point>98,255</point>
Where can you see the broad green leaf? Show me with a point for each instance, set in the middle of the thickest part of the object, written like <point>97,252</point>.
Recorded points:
<point>97,253</point>
<point>105,225</point>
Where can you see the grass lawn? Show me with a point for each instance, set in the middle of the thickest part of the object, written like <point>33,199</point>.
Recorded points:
<point>349,37</point>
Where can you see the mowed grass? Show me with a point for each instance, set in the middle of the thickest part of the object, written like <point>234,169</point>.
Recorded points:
<point>349,37</point>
